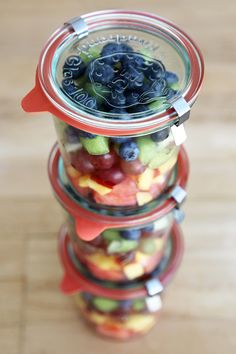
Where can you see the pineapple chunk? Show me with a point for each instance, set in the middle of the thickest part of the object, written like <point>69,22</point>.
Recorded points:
<point>143,197</point>
<point>133,270</point>
<point>72,172</point>
<point>168,164</point>
<point>86,181</point>
<point>140,323</point>
<point>146,179</point>
<point>103,262</point>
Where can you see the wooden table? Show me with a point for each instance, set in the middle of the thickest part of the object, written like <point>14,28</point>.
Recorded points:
<point>200,307</point>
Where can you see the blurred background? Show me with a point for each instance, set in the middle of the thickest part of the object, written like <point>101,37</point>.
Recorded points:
<point>200,308</point>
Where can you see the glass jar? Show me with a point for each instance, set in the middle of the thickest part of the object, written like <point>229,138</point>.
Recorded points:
<point>123,254</point>
<point>124,311</point>
<point>119,85</point>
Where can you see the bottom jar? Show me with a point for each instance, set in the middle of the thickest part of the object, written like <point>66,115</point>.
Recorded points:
<point>119,311</point>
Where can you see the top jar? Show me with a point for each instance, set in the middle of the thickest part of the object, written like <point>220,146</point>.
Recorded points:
<point>118,83</point>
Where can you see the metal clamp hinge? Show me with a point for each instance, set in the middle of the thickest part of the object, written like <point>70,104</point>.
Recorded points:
<point>179,194</point>
<point>182,108</point>
<point>154,287</point>
<point>79,26</point>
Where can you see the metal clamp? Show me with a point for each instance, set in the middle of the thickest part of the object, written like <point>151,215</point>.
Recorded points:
<point>182,108</point>
<point>154,287</point>
<point>79,26</point>
<point>179,194</point>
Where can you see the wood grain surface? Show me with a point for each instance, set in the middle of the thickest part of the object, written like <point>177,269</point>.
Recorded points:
<point>200,306</point>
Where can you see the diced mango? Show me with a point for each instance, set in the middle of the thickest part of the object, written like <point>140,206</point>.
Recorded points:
<point>159,179</point>
<point>86,181</point>
<point>159,244</point>
<point>97,318</point>
<point>146,179</point>
<point>143,197</point>
<point>103,262</point>
<point>133,270</point>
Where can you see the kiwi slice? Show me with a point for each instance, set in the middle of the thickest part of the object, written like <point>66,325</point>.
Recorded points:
<point>111,235</point>
<point>105,305</point>
<point>139,304</point>
<point>96,146</point>
<point>147,149</point>
<point>122,246</point>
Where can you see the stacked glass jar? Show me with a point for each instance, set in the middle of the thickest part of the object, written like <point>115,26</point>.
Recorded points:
<point>120,85</point>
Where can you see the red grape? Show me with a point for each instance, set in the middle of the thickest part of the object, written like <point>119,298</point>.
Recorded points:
<point>110,177</point>
<point>132,167</point>
<point>103,162</point>
<point>80,161</point>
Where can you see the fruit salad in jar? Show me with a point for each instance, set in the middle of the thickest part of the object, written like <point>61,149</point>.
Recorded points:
<point>117,171</point>
<point>119,319</point>
<point>123,254</point>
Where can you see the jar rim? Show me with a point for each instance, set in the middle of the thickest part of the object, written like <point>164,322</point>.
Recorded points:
<point>103,126</point>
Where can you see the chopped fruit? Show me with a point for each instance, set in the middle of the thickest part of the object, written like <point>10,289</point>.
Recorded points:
<point>129,151</point>
<point>99,72</point>
<point>72,135</point>
<point>132,167</point>
<point>168,164</point>
<point>97,318</point>
<point>160,179</point>
<point>139,304</point>
<point>105,262</point>
<point>120,246</point>
<point>122,194</point>
<point>96,90</point>
<point>142,258</point>
<point>114,331</point>
<point>96,146</point>
<point>160,158</point>
<point>171,78</point>
<point>148,246</point>
<point>86,181</point>
<point>103,162</point>
<point>80,161</point>
<point>146,179</point>
<point>160,135</point>
<point>155,71</point>
<point>140,323</point>
<point>159,244</point>
<point>147,149</point>
<point>104,304</point>
<point>110,177</point>
<point>149,228</point>
<point>111,235</point>
<point>131,234</point>
<point>133,270</point>
<point>72,172</point>
<point>143,197</point>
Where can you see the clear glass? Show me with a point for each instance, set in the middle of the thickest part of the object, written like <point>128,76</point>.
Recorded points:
<point>123,254</point>
<point>117,171</point>
<point>119,319</point>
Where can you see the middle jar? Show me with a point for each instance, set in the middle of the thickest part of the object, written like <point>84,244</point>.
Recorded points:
<point>119,85</point>
<point>120,248</point>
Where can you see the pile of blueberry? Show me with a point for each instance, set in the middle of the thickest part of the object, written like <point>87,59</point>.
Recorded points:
<point>119,81</point>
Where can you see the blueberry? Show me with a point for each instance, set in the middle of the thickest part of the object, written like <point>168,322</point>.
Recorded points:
<point>68,86</point>
<point>86,135</point>
<point>129,151</point>
<point>132,98</point>
<point>90,102</point>
<point>155,71</point>
<point>99,71</point>
<point>140,108</point>
<point>134,77</point>
<point>148,228</point>
<point>82,97</point>
<point>126,304</point>
<point>87,296</point>
<point>171,78</point>
<point>159,87</point>
<point>74,67</point>
<point>120,139</point>
<point>131,234</point>
<point>133,59</point>
<point>72,134</point>
<point>160,135</point>
<point>113,52</point>
<point>121,113</point>
<point>116,99</point>
<point>171,93</point>
<point>118,84</point>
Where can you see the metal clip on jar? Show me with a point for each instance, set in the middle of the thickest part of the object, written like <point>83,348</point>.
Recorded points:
<point>122,311</point>
<point>119,248</point>
<point>120,85</point>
